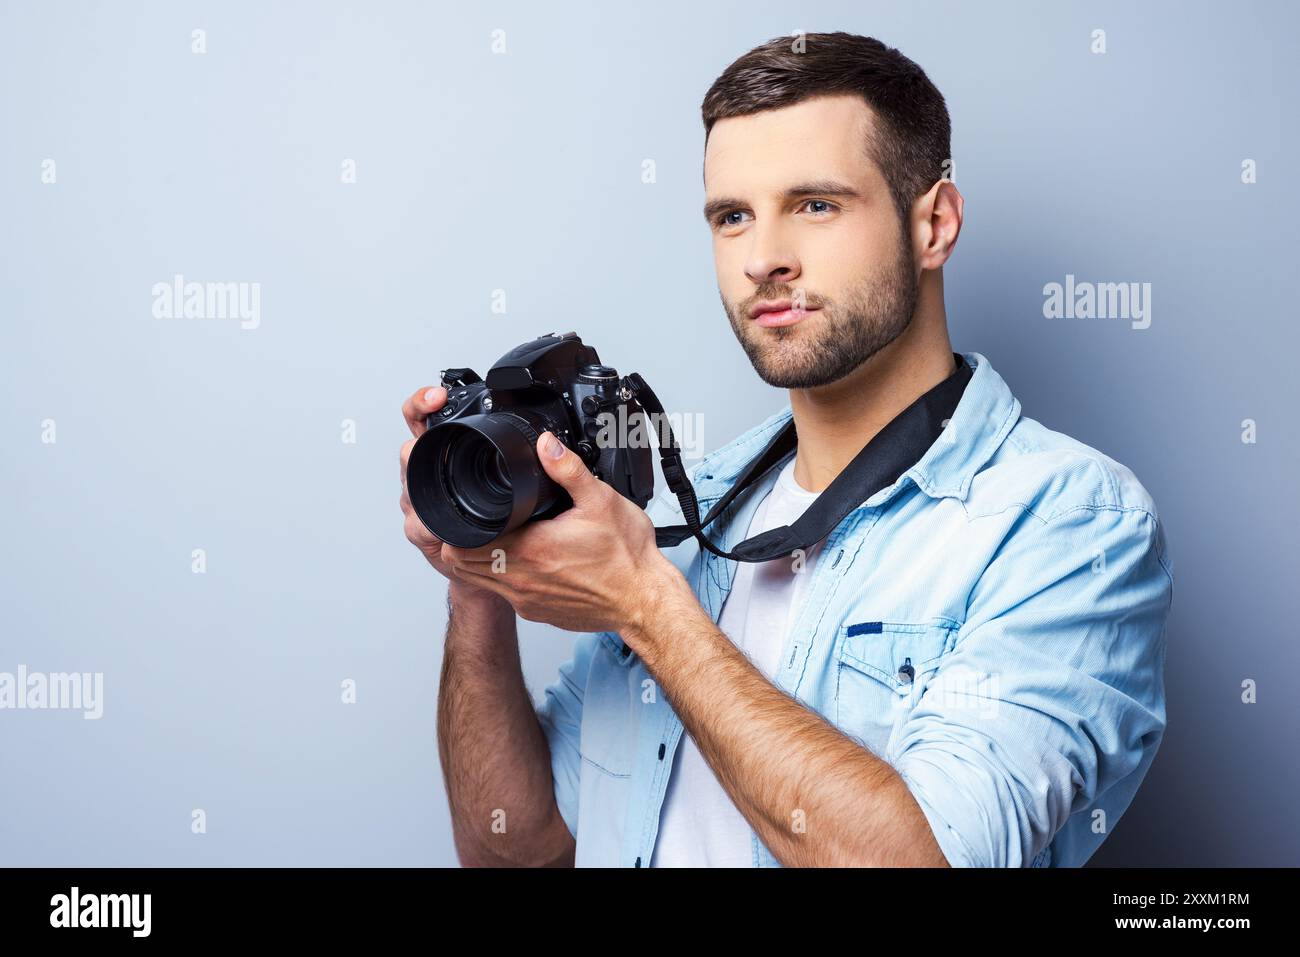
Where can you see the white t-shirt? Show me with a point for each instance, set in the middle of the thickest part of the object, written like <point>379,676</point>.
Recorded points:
<point>699,826</point>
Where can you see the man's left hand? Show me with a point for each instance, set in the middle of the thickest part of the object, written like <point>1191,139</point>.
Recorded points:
<point>594,567</point>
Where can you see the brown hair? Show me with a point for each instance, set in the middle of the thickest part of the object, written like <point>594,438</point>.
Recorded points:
<point>913,134</point>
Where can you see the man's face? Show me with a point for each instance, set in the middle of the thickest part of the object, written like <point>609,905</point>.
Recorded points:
<point>799,212</point>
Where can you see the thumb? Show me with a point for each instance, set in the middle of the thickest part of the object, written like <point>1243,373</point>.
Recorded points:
<point>566,469</point>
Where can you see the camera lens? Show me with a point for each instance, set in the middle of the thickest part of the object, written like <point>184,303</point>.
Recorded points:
<point>473,479</point>
<point>482,487</point>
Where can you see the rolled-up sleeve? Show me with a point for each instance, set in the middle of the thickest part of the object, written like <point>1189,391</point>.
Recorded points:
<point>560,715</point>
<point>1053,694</point>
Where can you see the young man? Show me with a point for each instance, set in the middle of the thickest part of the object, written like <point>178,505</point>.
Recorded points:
<point>966,670</point>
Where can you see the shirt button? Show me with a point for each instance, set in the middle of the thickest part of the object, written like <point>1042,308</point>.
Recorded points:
<point>907,672</point>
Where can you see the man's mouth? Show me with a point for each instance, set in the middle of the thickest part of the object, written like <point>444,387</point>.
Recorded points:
<point>779,312</point>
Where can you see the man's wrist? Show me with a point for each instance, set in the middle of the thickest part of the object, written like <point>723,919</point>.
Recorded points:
<point>671,604</point>
<point>463,597</point>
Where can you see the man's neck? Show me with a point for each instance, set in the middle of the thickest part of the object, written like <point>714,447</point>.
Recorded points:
<point>835,421</point>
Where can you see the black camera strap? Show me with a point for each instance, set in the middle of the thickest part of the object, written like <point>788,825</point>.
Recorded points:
<point>890,453</point>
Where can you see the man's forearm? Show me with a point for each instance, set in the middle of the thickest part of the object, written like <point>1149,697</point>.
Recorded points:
<point>814,796</point>
<point>495,759</point>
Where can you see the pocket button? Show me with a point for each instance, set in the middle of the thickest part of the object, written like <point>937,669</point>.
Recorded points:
<point>882,668</point>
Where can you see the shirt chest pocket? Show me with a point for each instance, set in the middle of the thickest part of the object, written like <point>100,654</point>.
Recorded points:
<point>882,668</point>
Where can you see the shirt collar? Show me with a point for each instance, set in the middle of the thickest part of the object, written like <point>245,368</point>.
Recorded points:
<point>984,417</point>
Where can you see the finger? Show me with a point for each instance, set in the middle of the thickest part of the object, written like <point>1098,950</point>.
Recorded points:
<point>417,534</point>
<point>492,583</point>
<point>484,554</point>
<point>478,571</point>
<point>509,543</point>
<point>420,404</point>
<point>405,456</point>
<point>405,502</point>
<point>569,471</point>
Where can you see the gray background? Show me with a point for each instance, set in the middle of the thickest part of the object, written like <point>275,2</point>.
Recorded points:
<point>522,172</point>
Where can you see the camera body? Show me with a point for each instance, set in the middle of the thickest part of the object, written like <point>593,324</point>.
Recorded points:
<point>474,474</point>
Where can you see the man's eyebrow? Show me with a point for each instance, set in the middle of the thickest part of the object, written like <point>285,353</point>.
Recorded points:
<point>823,187</point>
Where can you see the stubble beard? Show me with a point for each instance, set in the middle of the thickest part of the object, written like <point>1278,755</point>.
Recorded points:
<point>832,341</point>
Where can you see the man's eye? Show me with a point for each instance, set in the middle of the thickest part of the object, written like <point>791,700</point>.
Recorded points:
<point>829,206</point>
<point>725,218</point>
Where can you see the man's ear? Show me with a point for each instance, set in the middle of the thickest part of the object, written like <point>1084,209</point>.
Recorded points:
<point>936,223</point>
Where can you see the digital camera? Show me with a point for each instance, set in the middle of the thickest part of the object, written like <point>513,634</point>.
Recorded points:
<point>474,475</point>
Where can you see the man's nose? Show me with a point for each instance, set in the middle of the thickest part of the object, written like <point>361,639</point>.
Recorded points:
<point>770,259</point>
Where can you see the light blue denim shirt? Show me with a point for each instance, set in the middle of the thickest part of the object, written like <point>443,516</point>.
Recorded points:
<point>992,625</point>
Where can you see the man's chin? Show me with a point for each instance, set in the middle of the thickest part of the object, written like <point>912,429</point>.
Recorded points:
<point>801,365</point>
<point>788,373</point>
